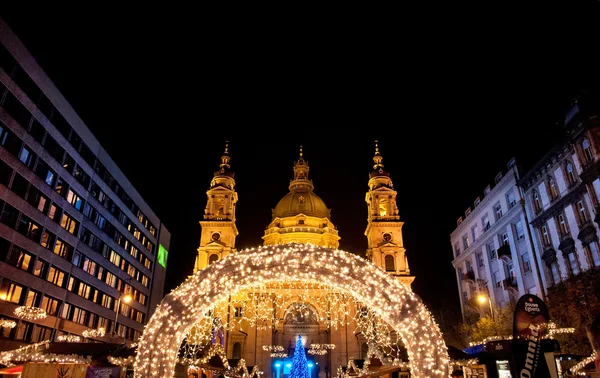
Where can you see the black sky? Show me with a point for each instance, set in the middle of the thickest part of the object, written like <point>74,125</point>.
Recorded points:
<point>451,91</point>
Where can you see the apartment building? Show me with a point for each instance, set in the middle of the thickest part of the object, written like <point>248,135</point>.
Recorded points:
<point>549,234</point>
<point>493,248</point>
<point>78,243</point>
<point>561,193</point>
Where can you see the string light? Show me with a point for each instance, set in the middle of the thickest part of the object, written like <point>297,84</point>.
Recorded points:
<point>120,361</point>
<point>387,300</point>
<point>320,349</point>
<point>30,313</point>
<point>5,323</point>
<point>581,364</point>
<point>92,333</point>
<point>35,353</point>
<point>69,338</point>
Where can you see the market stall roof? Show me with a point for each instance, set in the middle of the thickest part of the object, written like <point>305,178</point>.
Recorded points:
<point>457,354</point>
<point>17,370</point>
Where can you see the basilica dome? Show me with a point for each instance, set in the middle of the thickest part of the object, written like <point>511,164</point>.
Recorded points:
<point>301,202</point>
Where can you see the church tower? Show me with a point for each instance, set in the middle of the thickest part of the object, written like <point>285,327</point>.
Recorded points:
<point>218,230</point>
<point>384,230</point>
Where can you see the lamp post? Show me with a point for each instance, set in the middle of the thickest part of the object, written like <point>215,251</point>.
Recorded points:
<point>482,299</point>
<point>126,298</point>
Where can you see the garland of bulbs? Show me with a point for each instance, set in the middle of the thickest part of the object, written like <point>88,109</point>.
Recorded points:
<point>387,298</point>
<point>5,323</point>
<point>30,313</point>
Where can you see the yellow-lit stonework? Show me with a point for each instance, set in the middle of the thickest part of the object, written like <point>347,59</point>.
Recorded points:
<point>274,314</point>
<point>384,230</point>
<point>301,216</point>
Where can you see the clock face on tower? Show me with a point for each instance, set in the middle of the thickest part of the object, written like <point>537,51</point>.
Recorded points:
<point>216,236</point>
<point>387,236</point>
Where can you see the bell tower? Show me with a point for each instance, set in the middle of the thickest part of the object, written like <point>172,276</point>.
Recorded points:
<point>218,230</point>
<point>384,230</point>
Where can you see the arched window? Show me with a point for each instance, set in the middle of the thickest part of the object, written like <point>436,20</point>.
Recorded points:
<point>383,207</point>
<point>537,203</point>
<point>571,173</point>
<point>553,189</point>
<point>587,150</point>
<point>389,263</point>
<point>213,258</point>
<point>237,351</point>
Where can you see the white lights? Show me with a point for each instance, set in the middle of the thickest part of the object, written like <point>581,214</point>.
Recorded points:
<point>581,364</point>
<point>69,338</point>
<point>386,298</point>
<point>277,351</point>
<point>5,323</point>
<point>320,349</point>
<point>30,313</point>
<point>91,333</point>
<point>34,353</point>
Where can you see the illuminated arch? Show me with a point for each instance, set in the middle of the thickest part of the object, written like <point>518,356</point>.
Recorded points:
<point>395,303</point>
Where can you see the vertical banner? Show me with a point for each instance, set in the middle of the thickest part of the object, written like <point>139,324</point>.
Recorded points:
<point>530,325</point>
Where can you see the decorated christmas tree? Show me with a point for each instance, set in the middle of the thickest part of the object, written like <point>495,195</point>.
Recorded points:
<point>299,364</point>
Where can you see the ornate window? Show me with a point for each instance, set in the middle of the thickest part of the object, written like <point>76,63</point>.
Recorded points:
<point>389,263</point>
<point>587,150</point>
<point>537,203</point>
<point>571,176</point>
<point>545,234</point>
<point>581,211</point>
<point>383,207</point>
<point>562,225</point>
<point>552,188</point>
<point>213,258</point>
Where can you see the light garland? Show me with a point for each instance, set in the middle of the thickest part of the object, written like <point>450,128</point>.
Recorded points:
<point>5,323</point>
<point>120,361</point>
<point>92,333</point>
<point>30,313</point>
<point>581,364</point>
<point>273,348</point>
<point>34,353</point>
<point>279,355</point>
<point>387,299</point>
<point>69,338</point>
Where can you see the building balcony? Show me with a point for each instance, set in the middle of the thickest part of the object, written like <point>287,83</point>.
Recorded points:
<point>509,283</point>
<point>504,253</point>
<point>469,276</point>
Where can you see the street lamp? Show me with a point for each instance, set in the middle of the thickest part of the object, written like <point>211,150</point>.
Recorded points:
<point>482,299</point>
<point>126,298</point>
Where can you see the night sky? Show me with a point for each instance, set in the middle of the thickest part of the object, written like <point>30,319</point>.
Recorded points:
<point>450,99</point>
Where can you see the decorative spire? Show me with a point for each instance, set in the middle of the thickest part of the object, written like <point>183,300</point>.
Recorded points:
<point>225,158</point>
<point>301,169</point>
<point>377,158</point>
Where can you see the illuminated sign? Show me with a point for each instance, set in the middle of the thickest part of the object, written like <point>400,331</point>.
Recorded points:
<point>162,255</point>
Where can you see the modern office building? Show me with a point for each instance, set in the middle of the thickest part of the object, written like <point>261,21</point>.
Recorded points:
<point>77,241</point>
<point>493,248</point>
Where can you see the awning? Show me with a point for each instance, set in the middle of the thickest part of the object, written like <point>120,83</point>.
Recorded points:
<point>17,369</point>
